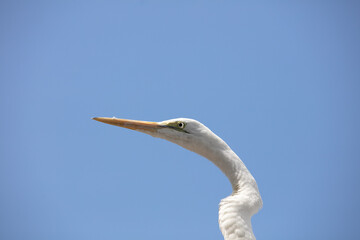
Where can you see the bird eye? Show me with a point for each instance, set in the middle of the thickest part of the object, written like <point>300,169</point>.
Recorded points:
<point>181,125</point>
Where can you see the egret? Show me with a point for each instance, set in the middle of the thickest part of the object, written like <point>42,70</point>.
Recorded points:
<point>236,210</point>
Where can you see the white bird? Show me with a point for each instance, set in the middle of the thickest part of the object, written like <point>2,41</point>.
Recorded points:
<point>236,210</point>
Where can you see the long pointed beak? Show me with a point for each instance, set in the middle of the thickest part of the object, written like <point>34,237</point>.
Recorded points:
<point>130,124</point>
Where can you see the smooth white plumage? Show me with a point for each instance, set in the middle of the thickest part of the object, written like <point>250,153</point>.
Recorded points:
<point>236,210</point>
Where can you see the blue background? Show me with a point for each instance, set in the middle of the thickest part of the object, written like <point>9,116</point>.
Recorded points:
<point>279,82</point>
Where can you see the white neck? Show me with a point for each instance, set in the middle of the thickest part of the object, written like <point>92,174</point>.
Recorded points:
<point>231,165</point>
<point>212,147</point>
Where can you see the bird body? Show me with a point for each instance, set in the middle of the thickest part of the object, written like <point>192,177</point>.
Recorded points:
<point>236,210</point>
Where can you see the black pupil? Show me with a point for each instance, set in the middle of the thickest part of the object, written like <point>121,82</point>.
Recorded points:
<point>181,125</point>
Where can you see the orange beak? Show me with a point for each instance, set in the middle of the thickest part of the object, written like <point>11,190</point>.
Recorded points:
<point>130,124</point>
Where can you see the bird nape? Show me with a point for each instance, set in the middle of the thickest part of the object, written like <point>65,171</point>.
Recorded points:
<point>236,210</point>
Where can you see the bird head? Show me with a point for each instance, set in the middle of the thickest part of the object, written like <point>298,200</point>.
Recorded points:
<point>185,132</point>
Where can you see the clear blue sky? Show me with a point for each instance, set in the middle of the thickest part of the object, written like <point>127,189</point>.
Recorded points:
<point>279,82</point>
